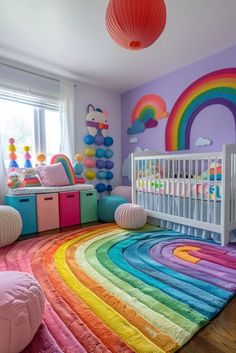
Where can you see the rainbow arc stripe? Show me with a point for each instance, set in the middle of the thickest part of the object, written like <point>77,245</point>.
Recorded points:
<point>217,87</point>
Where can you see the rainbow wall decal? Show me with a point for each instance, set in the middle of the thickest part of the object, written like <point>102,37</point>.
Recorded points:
<point>147,111</point>
<point>217,87</point>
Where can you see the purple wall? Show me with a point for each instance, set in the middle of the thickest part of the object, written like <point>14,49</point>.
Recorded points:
<point>214,122</point>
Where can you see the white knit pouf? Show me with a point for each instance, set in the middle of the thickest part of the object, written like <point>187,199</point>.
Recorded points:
<point>130,216</point>
<point>10,225</point>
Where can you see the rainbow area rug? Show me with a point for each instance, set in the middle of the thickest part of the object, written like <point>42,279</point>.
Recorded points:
<point>111,290</point>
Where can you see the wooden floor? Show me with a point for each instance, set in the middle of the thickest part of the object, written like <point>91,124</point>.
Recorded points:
<point>219,336</point>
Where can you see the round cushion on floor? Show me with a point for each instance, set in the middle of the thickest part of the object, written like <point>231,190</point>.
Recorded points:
<point>130,216</point>
<point>124,191</point>
<point>21,310</point>
<point>107,206</point>
<point>10,225</point>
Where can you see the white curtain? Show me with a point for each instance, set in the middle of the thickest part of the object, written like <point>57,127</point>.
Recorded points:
<point>3,176</point>
<point>67,106</point>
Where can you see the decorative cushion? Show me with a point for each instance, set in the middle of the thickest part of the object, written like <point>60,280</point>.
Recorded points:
<point>21,309</point>
<point>10,225</point>
<point>130,216</point>
<point>124,191</point>
<point>52,175</point>
<point>107,206</point>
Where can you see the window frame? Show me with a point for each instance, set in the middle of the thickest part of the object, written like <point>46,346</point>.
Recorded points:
<point>39,136</point>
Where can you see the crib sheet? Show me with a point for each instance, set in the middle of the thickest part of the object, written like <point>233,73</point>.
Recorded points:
<point>199,189</point>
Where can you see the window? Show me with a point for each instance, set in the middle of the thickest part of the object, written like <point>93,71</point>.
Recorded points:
<point>30,122</point>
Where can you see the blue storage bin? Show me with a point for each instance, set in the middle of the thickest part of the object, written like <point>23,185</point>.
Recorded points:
<point>26,206</point>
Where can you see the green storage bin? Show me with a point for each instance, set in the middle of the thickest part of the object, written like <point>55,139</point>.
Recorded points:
<point>88,206</point>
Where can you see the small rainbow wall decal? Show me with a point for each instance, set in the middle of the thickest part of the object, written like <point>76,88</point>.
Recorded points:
<point>152,104</point>
<point>217,87</point>
<point>146,113</point>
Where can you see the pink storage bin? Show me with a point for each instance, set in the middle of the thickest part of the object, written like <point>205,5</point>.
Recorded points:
<point>47,211</point>
<point>69,208</point>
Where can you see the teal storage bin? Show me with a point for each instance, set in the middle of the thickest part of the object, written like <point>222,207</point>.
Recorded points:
<point>26,206</point>
<point>88,206</point>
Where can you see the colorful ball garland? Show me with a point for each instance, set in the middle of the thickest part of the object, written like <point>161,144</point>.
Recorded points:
<point>100,164</point>
<point>100,153</point>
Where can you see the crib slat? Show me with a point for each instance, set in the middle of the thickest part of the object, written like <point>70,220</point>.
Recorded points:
<point>173,187</point>
<point>184,200</point>
<point>202,188</point>
<point>189,188</point>
<point>215,185</point>
<point>234,187</point>
<point>168,186</point>
<point>195,187</point>
<point>178,187</point>
<point>164,185</point>
<point>208,189</point>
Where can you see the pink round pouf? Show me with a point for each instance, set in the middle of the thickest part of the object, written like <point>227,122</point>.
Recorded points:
<point>21,310</point>
<point>124,191</point>
<point>130,216</point>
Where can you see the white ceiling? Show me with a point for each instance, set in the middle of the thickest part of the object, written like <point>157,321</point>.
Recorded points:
<point>69,38</point>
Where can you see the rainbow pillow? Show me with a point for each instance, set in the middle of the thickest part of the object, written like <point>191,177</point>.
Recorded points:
<point>64,160</point>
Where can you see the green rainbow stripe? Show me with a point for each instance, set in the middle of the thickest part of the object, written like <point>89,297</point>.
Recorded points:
<point>217,87</point>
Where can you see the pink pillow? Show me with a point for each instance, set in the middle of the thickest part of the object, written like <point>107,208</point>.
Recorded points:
<point>52,175</point>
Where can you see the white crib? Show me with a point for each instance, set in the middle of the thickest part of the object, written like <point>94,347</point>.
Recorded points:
<point>197,190</point>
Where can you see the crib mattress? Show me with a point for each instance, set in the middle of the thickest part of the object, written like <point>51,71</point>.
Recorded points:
<point>200,189</point>
<point>49,189</point>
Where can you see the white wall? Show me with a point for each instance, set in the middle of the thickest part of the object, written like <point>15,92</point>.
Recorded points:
<point>105,100</point>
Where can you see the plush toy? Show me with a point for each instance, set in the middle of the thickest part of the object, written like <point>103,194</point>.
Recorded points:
<point>15,181</point>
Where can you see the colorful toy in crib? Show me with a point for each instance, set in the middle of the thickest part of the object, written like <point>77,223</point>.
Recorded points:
<point>15,181</point>
<point>213,191</point>
<point>27,157</point>
<point>214,173</point>
<point>30,177</point>
<point>61,158</point>
<point>152,170</point>
<point>12,155</point>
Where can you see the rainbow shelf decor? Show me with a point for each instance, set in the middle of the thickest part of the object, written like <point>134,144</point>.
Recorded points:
<point>111,290</point>
<point>217,87</point>
<point>146,113</point>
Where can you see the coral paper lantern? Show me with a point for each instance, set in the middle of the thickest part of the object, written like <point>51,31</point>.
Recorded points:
<point>135,24</point>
